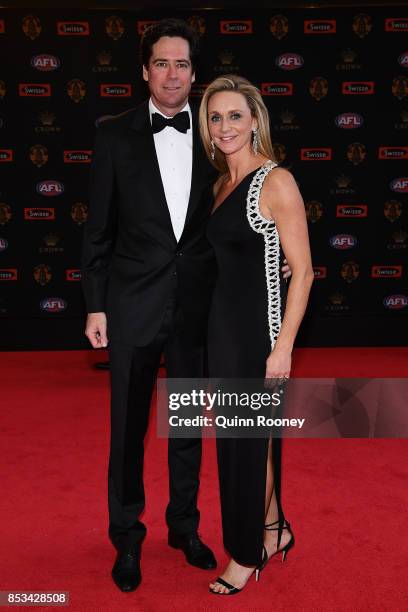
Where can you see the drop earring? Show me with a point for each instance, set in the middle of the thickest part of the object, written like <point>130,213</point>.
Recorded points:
<point>212,150</point>
<point>255,141</point>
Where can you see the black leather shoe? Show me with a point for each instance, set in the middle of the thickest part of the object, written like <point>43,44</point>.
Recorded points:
<point>197,553</point>
<point>126,570</point>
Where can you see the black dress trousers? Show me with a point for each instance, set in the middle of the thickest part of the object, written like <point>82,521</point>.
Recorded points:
<point>133,376</point>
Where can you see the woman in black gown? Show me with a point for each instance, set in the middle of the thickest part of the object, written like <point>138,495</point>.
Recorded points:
<point>258,212</point>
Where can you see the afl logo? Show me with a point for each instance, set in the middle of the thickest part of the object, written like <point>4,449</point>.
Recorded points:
<point>396,302</point>
<point>349,121</point>
<point>53,304</point>
<point>3,244</point>
<point>400,185</point>
<point>403,59</point>
<point>289,61</point>
<point>343,241</point>
<point>45,62</point>
<point>50,188</point>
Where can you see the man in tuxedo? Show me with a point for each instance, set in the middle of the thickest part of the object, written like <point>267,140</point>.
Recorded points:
<point>147,277</point>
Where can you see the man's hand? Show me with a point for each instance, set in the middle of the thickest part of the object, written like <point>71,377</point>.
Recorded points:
<point>96,328</point>
<point>286,271</point>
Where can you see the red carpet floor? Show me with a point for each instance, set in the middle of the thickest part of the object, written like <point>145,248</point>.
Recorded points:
<point>346,499</point>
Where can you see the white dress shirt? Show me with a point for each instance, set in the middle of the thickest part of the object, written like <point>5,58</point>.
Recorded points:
<point>174,152</point>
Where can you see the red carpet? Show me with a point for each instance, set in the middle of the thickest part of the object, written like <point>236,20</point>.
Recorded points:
<point>346,500</point>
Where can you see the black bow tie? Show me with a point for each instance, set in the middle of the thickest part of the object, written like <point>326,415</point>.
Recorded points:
<point>180,122</point>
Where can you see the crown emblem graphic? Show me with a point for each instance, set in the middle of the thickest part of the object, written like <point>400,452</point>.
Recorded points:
<point>104,58</point>
<point>287,117</point>
<point>47,118</point>
<point>226,57</point>
<point>343,181</point>
<point>400,236</point>
<point>51,240</point>
<point>348,56</point>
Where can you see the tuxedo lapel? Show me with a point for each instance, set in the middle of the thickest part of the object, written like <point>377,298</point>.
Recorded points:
<point>197,166</point>
<point>149,163</point>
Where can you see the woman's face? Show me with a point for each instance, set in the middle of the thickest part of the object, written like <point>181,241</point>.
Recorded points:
<point>230,122</point>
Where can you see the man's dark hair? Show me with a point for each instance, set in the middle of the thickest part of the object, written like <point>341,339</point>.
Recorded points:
<point>168,27</point>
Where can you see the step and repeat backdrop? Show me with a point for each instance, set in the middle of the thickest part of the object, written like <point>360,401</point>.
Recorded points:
<point>335,82</point>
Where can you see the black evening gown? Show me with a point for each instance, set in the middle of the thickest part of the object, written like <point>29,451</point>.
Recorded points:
<point>245,316</point>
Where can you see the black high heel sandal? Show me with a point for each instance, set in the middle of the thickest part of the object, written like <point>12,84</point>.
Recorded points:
<point>265,558</point>
<point>284,550</point>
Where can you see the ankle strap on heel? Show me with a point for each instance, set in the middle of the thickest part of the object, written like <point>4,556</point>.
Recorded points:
<point>269,526</point>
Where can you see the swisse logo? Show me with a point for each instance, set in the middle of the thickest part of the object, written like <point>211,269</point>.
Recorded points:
<point>403,59</point>
<point>289,61</point>
<point>357,87</point>
<point>8,274</point>
<point>349,121</point>
<point>316,154</point>
<point>277,89</point>
<point>53,304</point>
<point>400,185</point>
<point>386,271</point>
<point>45,63</point>
<point>39,214</point>
<point>319,26</point>
<point>320,272</point>
<point>396,302</point>
<point>6,155</point>
<point>73,275</point>
<point>3,244</point>
<point>50,188</point>
<point>344,211</point>
<point>237,26</point>
<point>112,90</point>
<point>77,157</point>
<point>396,24</point>
<point>343,241</point>
<point>34,90</point>
<point>72,28</point>
<point>393,153</point>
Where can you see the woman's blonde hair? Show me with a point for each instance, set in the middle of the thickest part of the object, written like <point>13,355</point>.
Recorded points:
<point>238,84</point>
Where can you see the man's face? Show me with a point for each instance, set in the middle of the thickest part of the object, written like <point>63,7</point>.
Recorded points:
<point>169,74</point>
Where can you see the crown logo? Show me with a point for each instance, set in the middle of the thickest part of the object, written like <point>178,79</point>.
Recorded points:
<point>337,299</point>
<point>51,240</point>
<point>47,118</point>
<point>348,56</point>
<point>404,116</point>
<point>104,58</point>
<point>343,181</point>
<point>226,57</point>
<point>400,236</point>
<point>287,117</point>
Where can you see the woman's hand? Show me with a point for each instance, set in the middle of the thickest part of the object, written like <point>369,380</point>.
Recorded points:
<point>278,364</point>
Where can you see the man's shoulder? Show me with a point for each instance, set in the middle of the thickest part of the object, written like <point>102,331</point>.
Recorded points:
<point>123,120</point>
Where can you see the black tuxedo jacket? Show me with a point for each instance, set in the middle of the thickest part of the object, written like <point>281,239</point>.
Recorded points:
<point>131,261</point>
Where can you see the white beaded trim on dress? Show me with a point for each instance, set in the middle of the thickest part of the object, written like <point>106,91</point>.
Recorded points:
<point>272,249</point>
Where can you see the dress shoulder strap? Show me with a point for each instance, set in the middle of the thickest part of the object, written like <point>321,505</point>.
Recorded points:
<point>272,249</point>
<point>255,219</point>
